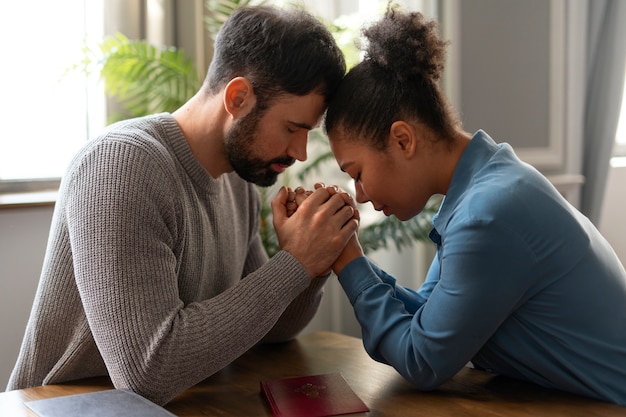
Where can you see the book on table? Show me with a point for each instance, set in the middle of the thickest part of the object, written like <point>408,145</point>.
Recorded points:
<point>312,396</point>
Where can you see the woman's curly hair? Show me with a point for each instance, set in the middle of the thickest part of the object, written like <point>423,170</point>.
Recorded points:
<point>398,78</point>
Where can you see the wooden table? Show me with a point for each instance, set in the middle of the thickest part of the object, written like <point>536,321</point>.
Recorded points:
<point>235,391</point>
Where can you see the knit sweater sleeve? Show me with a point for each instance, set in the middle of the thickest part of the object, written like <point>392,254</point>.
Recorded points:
<point>302,309</point>
<point>124,222</point>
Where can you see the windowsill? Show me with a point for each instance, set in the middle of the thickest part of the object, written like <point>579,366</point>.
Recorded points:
<point>28,199</point>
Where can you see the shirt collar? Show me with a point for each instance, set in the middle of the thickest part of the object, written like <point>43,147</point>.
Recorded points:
<point>480,149</point>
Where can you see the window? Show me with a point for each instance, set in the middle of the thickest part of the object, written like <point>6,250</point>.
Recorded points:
<point>46,114</point>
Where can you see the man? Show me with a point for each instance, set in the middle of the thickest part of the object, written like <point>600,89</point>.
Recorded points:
<point>155,273</point>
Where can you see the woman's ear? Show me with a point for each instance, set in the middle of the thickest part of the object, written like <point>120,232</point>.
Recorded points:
<point>402,138</point>
<point>239,97</point>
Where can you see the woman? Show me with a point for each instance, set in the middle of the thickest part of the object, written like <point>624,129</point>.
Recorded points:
<point>522,284</point>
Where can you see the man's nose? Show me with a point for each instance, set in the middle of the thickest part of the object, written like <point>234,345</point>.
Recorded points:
<point>297,146</point>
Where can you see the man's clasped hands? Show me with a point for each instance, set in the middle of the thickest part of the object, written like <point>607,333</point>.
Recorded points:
<point>318,227</point>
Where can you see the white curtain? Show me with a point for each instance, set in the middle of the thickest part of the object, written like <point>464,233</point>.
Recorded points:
<point>606,61</point>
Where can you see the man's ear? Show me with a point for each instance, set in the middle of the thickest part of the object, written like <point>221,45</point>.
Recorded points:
<point>239,97</point>
<point>402,138</point>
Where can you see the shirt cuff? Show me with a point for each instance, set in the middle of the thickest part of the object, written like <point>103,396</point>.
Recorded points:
<point>356,277</point>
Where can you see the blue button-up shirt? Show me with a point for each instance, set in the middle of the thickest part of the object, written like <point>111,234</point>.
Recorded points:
<point>522,284</point>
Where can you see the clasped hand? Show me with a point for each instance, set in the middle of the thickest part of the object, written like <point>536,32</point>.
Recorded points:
<point>315,227</point>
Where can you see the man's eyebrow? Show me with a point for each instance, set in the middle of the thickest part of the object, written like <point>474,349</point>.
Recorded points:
<point>301,125</point>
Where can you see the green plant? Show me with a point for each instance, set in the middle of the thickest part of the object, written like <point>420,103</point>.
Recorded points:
<point>143,77</point>
<point>146,79</point>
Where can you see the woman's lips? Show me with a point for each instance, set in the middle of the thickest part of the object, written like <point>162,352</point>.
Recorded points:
<point>385,209</point>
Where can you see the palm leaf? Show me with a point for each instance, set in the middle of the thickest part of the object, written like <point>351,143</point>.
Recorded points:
<point>146,78</point>
<point>403,234</point>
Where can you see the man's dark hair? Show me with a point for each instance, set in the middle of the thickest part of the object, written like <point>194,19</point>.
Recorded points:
<point>280,51</point>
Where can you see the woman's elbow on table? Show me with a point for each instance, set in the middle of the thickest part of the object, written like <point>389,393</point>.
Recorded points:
<point>424,374</point>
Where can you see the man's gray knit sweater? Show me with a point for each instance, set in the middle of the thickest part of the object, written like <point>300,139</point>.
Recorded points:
<point>155,273</point>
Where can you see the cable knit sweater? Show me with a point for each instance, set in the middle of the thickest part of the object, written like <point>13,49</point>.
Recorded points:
<point>155,273</point>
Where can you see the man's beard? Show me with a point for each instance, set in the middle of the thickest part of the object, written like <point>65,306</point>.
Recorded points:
<point>240,139</point>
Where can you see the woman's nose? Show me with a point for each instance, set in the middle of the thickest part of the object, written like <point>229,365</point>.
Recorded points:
<point>361,197</point>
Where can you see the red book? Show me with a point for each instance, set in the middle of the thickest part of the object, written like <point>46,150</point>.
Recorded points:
<point>312,396</point>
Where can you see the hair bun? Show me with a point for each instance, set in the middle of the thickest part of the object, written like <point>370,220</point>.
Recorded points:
<point>406,44</point>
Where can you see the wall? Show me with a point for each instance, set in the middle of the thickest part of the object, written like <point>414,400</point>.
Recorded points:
<point>23,236</point>
<point>516,69</point>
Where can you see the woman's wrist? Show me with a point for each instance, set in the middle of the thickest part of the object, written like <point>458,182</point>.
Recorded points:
<point>352,251</point>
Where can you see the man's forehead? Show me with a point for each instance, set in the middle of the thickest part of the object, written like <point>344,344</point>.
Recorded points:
<point>302,111</point>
